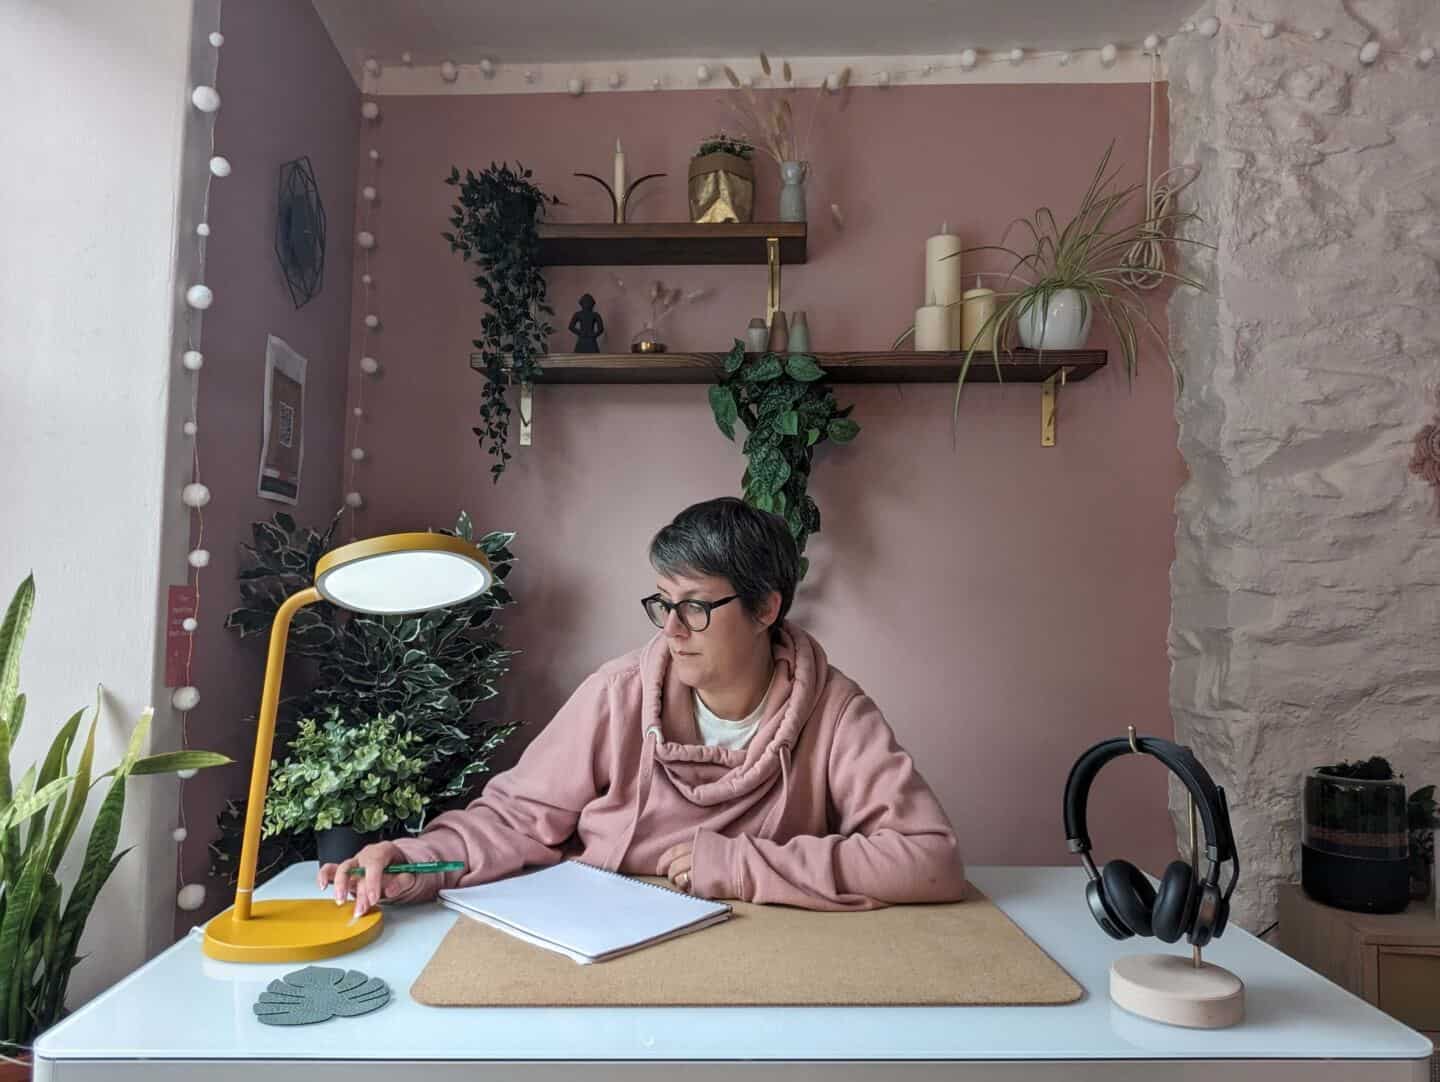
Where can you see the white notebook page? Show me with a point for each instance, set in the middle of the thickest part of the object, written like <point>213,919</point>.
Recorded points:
<point>584,913</point>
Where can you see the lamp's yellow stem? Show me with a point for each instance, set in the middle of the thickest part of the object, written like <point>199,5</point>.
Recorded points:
<point>264,744</point>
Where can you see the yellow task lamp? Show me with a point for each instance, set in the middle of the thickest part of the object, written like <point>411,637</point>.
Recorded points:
<point>383,576</point>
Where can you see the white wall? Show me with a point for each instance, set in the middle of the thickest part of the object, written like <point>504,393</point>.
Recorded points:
<point>1304,593</point>
<point>91,143</point>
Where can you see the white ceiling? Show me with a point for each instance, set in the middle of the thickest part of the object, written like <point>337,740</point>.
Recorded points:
<point>547,31</point>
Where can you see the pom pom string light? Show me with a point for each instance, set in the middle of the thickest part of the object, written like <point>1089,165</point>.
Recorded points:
<point>370,321</point>
<point>1366,52</point>
<point>196,494</point>
<point>1102,54</point>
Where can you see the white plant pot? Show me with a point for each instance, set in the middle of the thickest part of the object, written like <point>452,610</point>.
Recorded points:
<point>1065,326</point>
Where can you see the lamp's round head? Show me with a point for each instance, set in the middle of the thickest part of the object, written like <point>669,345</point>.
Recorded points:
<point>403,572</point>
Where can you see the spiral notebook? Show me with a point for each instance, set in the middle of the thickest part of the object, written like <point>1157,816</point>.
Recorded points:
<point>584,913</point>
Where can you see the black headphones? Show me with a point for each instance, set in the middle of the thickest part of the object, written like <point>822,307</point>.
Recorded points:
<point>1121,898</point>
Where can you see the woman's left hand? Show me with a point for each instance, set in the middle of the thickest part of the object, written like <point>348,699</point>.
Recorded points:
<point>676,864</point>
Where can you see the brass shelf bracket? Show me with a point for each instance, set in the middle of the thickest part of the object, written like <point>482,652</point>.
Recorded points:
<point>772,294</point>
<point>1049,405</point>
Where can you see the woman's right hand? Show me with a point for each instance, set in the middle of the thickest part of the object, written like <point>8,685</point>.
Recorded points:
<point>374,885</point>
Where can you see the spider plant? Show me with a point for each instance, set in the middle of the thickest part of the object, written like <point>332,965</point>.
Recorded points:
<point>1101,256</point>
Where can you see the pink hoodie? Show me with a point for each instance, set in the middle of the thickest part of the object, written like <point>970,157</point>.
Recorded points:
<point>821,810</point>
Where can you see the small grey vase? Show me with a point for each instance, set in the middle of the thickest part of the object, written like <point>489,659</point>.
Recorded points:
<point>757,335</point>
<point>799,333</point>
<point>792,190</point>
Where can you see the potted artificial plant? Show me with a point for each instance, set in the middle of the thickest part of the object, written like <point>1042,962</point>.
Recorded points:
<point>722,181</point>
<point>346,781</point>
<point>496,222</point>
<point>40,923</point>
<point>1097,260</point>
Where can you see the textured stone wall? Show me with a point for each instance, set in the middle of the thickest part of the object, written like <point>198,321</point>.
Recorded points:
<point>1306,584</point>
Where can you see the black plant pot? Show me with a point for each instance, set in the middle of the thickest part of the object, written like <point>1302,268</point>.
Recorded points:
<point>340,843</point>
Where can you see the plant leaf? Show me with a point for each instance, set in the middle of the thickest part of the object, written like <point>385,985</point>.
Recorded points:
<point>722,405</point>
<point>843,430</point>
<point>765,369</point>
<point>802,367</point>
<point>12,639</point>
<point>170,761</point>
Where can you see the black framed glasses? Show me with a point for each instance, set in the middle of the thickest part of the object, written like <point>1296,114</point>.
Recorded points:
<point>694,613</point>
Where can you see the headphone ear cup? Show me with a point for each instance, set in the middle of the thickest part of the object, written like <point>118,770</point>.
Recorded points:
<point>1130,895</point>
<point>1172,914</point>
<point>1223,918</point>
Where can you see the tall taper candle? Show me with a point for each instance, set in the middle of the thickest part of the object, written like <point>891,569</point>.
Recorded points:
<point>619,182</point>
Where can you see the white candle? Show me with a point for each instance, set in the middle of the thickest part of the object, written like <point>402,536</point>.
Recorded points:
<point>978,307</point>
<point>942,268</point>
<point>933,324</point>
<point>619,182</point>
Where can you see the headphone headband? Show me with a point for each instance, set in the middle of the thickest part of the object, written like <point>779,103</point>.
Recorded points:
<point>1181,762</point>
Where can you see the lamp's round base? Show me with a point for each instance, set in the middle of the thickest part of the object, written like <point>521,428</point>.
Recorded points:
<point>289,930</point>
<point>1169,988</point>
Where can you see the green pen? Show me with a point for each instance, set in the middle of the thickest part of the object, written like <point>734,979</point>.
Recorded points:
<point>417,869</point>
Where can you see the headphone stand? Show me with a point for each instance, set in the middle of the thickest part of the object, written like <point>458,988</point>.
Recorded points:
<point>1175,990</point>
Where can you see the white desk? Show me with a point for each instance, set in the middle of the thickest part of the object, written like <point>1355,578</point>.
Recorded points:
<point>183,1016</point>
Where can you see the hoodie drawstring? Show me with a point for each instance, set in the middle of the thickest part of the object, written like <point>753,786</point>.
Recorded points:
<point>647,772</point>
<point>772,821</point>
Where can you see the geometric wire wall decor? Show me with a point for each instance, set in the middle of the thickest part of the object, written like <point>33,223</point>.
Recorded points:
<point>300,230</point>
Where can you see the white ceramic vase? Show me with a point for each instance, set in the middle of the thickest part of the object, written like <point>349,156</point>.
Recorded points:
<point>1066,325</point>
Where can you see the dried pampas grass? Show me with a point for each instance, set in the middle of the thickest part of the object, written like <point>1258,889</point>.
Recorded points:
<point>773,126</point>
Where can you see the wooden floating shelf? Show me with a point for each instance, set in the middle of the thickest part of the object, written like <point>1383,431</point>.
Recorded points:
<point>595,244</point>
<point>1020,366</point>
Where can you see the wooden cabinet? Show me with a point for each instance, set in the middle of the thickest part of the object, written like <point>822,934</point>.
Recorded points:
<point>1390,960</point>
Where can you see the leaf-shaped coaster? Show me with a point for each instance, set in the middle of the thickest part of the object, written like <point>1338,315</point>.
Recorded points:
<point>318,994</point>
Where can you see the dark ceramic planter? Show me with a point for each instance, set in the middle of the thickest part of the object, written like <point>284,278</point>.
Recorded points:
<point>340,843</point>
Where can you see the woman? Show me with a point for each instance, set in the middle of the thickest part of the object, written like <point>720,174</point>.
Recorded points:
<point>726,754</point>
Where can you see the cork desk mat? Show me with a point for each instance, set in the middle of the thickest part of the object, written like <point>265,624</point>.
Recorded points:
<point>963,954</point>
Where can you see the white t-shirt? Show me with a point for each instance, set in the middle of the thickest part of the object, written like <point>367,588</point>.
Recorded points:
<point>716,731</point>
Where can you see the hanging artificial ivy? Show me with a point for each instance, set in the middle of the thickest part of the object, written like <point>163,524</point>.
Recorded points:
<point>495,227</point>
<point>788,410</point>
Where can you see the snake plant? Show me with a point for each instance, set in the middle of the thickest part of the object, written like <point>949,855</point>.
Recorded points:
<point>40,926</point>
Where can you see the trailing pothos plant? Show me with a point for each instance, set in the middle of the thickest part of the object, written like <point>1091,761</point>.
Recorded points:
<point>495,223</point>
<point>428,671</point>
<point>788,411</point>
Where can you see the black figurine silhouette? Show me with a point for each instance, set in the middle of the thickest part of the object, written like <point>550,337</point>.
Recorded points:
<point>587,326</point>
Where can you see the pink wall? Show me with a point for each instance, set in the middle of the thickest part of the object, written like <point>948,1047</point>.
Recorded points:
<point>1005,604</point>
<point>285,93</point>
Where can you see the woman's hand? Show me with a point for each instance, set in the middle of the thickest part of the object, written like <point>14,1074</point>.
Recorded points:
<point>369,889</point>
<point>676,865</point>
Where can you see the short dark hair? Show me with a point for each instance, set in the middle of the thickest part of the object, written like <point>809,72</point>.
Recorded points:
<point>753,549</point>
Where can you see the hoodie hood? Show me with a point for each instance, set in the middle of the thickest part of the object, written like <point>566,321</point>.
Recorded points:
<point>713,776</point>
<point>708,776</point>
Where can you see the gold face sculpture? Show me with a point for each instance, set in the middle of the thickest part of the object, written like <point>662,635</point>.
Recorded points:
<point>722,189</point>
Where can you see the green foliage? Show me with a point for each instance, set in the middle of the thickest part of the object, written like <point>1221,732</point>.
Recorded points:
<point>721,143</point>
<point>40,928</point>
<point>429,671</point>
<point>495,227</point>
<point>367,775</point>
<point>787,410</point>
